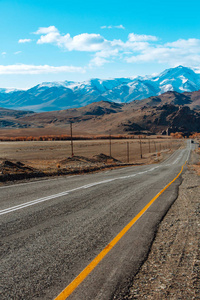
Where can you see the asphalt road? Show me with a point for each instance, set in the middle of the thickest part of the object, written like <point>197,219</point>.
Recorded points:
<point>52,229</point>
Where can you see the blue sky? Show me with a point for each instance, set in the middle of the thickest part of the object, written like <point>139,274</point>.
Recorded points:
<point>77,40</point>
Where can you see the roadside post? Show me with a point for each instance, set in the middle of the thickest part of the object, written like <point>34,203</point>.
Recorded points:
<point>140,147</point>
<point>127,152</point>
<point>149,146</point>
<point>72,146</point>
<point>110,143</point>
<point>156,150</point>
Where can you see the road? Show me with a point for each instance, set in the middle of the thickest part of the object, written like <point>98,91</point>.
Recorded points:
<point>52,229</point>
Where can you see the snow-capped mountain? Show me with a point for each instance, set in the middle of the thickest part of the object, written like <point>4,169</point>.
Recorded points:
<point>50,96</point>
<point>8,90</point>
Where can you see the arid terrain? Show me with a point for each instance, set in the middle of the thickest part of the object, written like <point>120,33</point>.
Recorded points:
<point>168,113</point>
<point>52,157</point>
<point>100,150</point>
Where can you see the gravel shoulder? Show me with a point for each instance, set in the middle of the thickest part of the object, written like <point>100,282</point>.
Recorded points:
<point>171,270</point>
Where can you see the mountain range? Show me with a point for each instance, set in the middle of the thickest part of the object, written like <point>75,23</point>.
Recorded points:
<point>51,96</point>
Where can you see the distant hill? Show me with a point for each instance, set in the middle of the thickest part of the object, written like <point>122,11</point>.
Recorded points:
<point>9,118</point>
<point>4,112</point>
<point>169,112</point>
<point>50,96</point>
<point>191,100</point>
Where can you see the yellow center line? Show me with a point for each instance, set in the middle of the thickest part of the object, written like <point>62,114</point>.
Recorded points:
<point>77,281</point>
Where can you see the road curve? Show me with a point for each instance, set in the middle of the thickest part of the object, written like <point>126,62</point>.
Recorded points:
<point>52,229</point>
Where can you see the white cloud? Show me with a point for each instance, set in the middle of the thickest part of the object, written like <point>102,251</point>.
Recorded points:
<point>137,48</point>
<point>111,27</point>
<point>85,42</point>
<point>17,52</point>
<point>101,57</point>
<point>46,30</point>
<point>133,37</point>
<point>50,38</point>
<point>22,41</point>
<point>41,69</point>
<point>89,42</point>
<point>120,26</point>
<point>97,61</point>
<point>3,53</point>
<point>181,43</point>
<point>82,42</point>
<point>180,52</point>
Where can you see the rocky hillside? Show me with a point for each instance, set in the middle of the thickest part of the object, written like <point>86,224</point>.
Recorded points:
<point>170,112</point>
<point>12,118</point>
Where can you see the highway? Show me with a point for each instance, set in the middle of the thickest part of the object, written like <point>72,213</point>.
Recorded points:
<point>52,229</point>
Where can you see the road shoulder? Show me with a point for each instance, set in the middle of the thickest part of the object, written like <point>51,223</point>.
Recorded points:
<point>171,270</point>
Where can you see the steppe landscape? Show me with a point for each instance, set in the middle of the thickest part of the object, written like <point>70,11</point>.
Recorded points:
<point>96,139</point>
<point>99,150</point>
<point>54,157</point>
<point>104,137</point>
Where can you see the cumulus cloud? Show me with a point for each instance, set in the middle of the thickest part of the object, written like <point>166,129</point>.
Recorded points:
<point>46,30</point>
<point>22,41</point>
<point>111,27</point>
<point>83,42</point>
<point>3,53</point>
<point>137,48</point>
<point>101,57</point>
<point>133,37</point>
<point>180,52</point>
<point>181,43</point>
<point>98,61</point>
<point>40,69</point>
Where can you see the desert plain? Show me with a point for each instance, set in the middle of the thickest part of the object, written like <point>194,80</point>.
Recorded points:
<point>54,156</point>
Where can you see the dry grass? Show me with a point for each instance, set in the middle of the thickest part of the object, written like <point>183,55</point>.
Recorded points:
<point>51,158</point>
<point>46,154</point>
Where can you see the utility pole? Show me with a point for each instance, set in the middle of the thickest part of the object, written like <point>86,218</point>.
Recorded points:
<point>110,142</point>
<point>72,146</point>
<point>127,152</point>
<point>149,147</point>
<point>156,150</point>
<point>140,147</point>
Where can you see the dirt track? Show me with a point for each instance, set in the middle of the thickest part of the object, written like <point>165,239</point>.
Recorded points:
<point>172,268</point>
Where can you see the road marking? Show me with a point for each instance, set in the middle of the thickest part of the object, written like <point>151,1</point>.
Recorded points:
<point>23,205</point>
<point>77,281</point>
<point>43,199</point>
<point>47,180</point>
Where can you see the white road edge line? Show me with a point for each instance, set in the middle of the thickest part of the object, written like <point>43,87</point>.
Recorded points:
<point>47,180</point>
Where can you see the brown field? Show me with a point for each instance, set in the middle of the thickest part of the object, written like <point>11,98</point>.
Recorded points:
<point>46,155</point>
<point>17,132</point>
